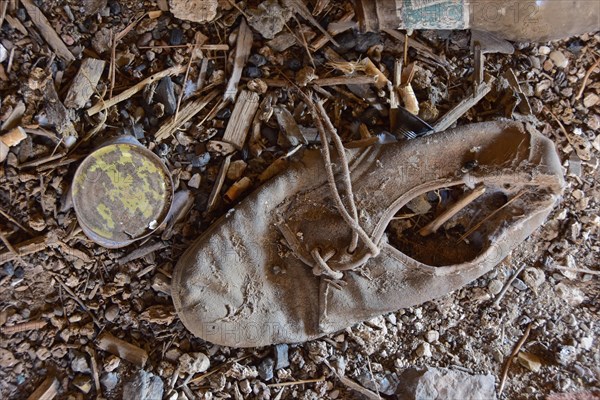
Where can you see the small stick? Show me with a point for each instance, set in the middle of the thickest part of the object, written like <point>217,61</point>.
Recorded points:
<point>473,229</point>
<point>103,105</point>
<point>3,12</point>
<point>77,299</point>
<point>343,24</point>
<point>356,387</point>
<point>190,109</point>
<point>507,285</point>
<point>581,270</point>
<point>94,363</point>
<point>214,195</point>
<point>434,225</point>
<point>301,382</point>
<point>585,79</point>
<point>141,252</point>
<point>122,349</point>
<point>47,390</point>
<point>510,359</point>
<point>24,327</point>
<point>14,221</point>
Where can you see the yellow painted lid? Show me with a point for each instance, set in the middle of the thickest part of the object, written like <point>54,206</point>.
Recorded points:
<point>121,192</point>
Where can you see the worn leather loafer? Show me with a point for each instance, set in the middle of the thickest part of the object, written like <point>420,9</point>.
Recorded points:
<point>278,268</point>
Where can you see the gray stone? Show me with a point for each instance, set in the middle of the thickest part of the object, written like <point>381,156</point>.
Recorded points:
<point>143,386</point>
<point>109,381</point>
<point>385,384</point>
<point>281,356</point>
<point>519,285</point>
<point>265,369</point>
<point>79,363</point>
<point>567,355</point>
<point>441,384</point>
<point>165,94</point>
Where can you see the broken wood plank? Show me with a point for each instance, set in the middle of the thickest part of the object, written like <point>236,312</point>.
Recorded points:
<point>441,219</point>
<point>58,116</point>
<point>28,247</point>
<point>241,118</point>
<point>47,390</point>
<point>242,52</point>
<point>104,104</point>
<point>24,327</point>
<point>214,195</point>
<point>185,114</point>
<point>465,105</point>
<point>122,349</point>
<point>85,82</point>
<point>47,31</point>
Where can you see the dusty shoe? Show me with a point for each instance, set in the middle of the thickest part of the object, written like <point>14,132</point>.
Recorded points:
<point>292,263</point>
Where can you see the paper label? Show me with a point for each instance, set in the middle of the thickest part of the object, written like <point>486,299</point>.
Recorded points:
<point>433,14</point>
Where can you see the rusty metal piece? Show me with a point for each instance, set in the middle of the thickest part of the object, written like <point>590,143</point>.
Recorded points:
<point>122,192</point>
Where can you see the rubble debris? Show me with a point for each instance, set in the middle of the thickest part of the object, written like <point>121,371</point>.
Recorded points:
<point>121,348</point>
<point>529,361</point>
<point>47,31</point>
<point>143,386</point>
<point>268,18</point>
<point>442,383</point>
<point>194,10</point>
<point>84,84</point>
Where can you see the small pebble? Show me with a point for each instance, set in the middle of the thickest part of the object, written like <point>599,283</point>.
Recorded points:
<point>559,59</point>
<point>432,336</point>
<point>495,286</point>
<point>519,285</point>
<point>265,369</point>
<point>544,50</point>
<point>424,350</point>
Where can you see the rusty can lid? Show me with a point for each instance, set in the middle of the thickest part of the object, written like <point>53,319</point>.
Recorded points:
<point>121,193</point>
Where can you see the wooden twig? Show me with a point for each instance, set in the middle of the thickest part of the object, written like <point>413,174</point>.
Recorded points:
<point>103,105</point>
<point>216,191</point>
<point>580,270</point>
<point>76,298</point>
<point>242,52</point>
<point>434,225</point>
<point>510,359</point>
<point>465,105</point>
<point>95,371</point>
<point>3,8</point>
<point>17,223</point>
<point>241,118</point>
<point>185,114</point>
<point>300,382</point>
<point>24,327</point>
<point>476,226</point>
<point>47,390</point>
<point>508,283</point>
<point>335,28</point>
<point>47,31</point>
<point>122,349</point>
<point>358,388</point>
<point>141,252</point>
<point>586,77</point>
<point>304,12</point>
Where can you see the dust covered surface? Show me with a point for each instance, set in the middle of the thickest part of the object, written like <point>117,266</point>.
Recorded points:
<point>62,291</point>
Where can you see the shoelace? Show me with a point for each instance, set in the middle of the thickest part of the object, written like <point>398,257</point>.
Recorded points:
<point>326,129</point>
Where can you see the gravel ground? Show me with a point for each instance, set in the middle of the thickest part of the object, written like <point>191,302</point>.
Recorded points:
<point>70,291</point>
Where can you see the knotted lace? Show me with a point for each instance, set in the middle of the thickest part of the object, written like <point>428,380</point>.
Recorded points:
<point>326,129</point>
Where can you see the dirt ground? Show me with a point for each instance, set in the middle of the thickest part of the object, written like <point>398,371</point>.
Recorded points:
<point>67,290</point>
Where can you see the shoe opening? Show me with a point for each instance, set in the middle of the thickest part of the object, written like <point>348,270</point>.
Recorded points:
<point>454,225</point>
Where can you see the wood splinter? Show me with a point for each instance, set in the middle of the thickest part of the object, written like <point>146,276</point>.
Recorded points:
<point>434,225</point>
<point>47,390</point>
<point>122,349</point>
